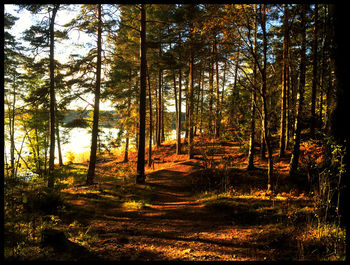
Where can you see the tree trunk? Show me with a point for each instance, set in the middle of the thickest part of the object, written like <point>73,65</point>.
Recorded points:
<point>190,99</point>
<point>12,132</point>
<point>339,130</point>
<point>52,98</point>
<point>140,177</point>
<point>253,102</point>
<point>288,102</point>
<point>157,125</point>
<point>162,139</point>
<point>217,116</point>
<point>211,90</point>
<point>126,149</point>
<point>178,127</point>
<point>60,159</point>
<point>322,75</point>
<point>201,108</point>
<point>264,99</point>
<point>186,111</point>
<point>234,96</point>
<point>296,148</point>
<point>150,120</point>
<point>284,84</point>
<point>159,117</point>
<point>200,88</point>
<point>314,74</point>
<point>252,132</point>
<point>92,162</point>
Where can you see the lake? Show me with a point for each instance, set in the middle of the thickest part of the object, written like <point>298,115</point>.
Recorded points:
<point>79,141</point>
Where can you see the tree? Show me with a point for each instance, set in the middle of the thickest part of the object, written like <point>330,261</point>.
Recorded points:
<point>13,59</point>
<point>264,98</point>
<point>338,129</point>
<point>52,97</point>
<point>40,41</point>
<point>140,177</point>
<point>191,83</point>
<point>296,147</point>
<point>253,101</point>
<point>284,81</point>
<point>92,162</point>
<point>314,73</point>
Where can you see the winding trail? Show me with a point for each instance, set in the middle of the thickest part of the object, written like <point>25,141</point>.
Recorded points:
<point>174,227</point>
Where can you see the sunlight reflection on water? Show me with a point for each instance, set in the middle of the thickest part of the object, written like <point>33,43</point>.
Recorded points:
<point>79,141</point>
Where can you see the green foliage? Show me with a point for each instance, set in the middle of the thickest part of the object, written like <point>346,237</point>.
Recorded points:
<point>330,189</point>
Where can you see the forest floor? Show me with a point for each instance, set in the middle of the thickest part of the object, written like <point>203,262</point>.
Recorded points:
<point>207,208</point>
<point>177,216</point>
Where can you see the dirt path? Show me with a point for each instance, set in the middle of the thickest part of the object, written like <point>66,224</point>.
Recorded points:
<point>174,227</point>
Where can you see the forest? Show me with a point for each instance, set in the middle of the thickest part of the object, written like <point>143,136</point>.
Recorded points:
<point>207,132</point>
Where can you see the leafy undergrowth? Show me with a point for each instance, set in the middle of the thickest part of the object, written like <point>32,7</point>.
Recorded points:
<point>224,214</point>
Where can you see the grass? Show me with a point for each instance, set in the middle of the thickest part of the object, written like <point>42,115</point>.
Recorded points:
<point>283,219</point>
<point>135,205</point>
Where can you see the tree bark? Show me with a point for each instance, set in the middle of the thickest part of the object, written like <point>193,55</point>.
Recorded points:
<point>296,148</point>
<point>201,107</point>
<point>140,177</point>
<point>284,84</point>
<point>94,136</point>
<point>314,74</point>
<point>190,100</point>
<point>52,97</point>
<point>126,149</point>
<point>211,90</point>
<point>60,159</point>
<point>253,103</point>
<point>12,131</point>
<point>178,127</point>
<point>217,116</point>
<point>150,119</point>
<point>264,99</point>
<point>159,117</point>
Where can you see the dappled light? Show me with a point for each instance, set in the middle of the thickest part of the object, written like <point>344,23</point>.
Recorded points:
<point>175,132</point>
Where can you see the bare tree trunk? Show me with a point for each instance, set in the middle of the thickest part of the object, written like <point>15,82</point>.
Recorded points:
<point>186,111</point>
<point>211,88</point>
<point>264,99</point>
<point>94,136</point>
<point>235,87</point>
<point>157,125</point>
<point>288,105</point>
<point>201,108</point>
<point>12,132</point>
<point>52,98</point>
<point>60,159</point>
<point>253,102</point>
<point>126,149</point>
<point>322,76</point>
<point>284,84</point>
<point>190,100</point>
<point>200,88</point>
<point>178,127</point>
<point>162,139</point>
<point>217,116</point>
<point>159,117</point>
<point>150,119</point>
<point>140,177</point>
<point>314,74</point>
<point>296,148</point>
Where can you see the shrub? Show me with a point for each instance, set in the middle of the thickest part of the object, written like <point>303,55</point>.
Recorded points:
<point>45,201</point>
